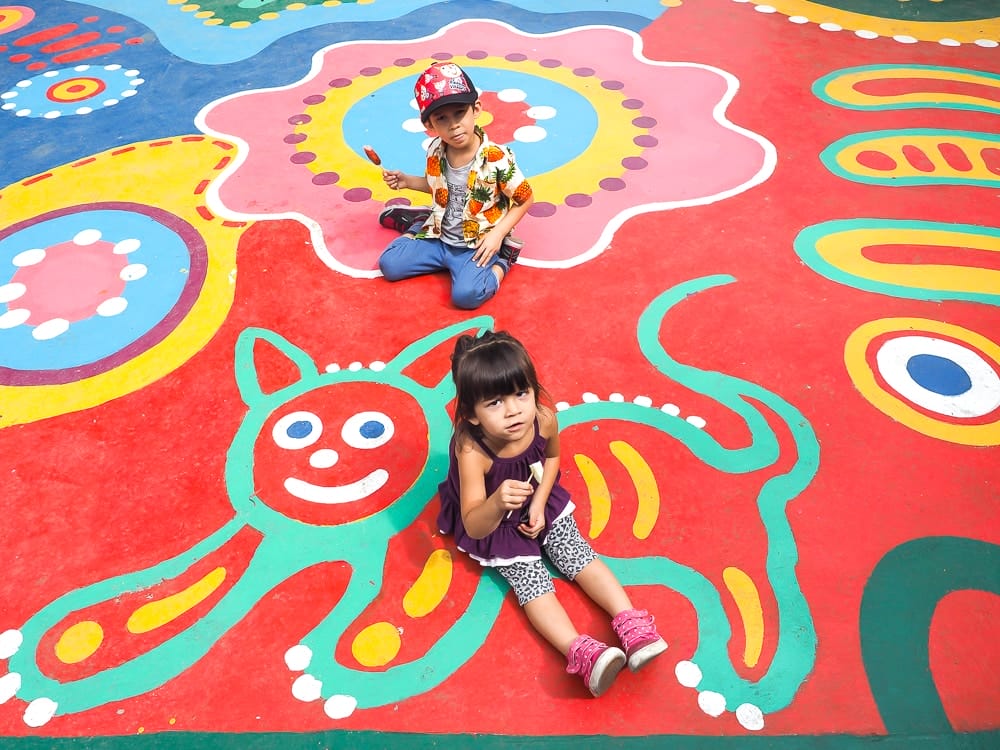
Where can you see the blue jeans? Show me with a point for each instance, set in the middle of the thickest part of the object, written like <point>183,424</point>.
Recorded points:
<point>471,286</point>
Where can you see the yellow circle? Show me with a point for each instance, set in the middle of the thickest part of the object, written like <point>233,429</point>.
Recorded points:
<point>79,642</point>
<point>376,645</point>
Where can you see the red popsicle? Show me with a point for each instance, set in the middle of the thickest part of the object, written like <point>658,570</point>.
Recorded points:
<point>373,156</point>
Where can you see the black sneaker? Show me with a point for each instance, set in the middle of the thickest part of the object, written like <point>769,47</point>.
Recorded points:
<point>402,218</point>
<point>510,249</point>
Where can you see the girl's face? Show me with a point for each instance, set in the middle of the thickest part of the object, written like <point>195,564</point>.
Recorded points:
<point>506,419</point>
<point>456,124</point>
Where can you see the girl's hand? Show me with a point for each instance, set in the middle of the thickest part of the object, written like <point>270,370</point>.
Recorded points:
<point>488,246</point>
<point>535,524</point>
<point>512,494</point>
<point>394,178</point>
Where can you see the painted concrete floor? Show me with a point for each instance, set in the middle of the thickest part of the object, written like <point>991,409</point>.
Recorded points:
<point>760,280</point>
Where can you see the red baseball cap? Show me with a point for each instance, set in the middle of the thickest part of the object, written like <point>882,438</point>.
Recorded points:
<point>443,83</point>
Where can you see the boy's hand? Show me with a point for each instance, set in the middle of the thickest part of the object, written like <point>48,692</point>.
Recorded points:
<point>394,178</point>
<point>488,246</point>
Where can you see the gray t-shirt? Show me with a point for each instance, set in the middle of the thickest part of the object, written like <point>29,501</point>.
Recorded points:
<point>458,187</point>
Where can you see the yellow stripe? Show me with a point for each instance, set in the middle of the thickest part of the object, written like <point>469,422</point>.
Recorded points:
<point>431,586</point>
<point>744,592</point>
<point>645,488</point>
<point>600,495</point>
<point>156,614</point>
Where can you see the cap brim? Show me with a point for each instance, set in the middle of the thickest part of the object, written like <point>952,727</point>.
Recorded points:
<point>450,99</point>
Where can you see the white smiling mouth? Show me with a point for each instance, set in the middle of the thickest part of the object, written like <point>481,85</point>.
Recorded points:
<point>345,493</point>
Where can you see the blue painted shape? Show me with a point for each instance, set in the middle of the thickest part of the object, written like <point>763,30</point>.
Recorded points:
<point>938,374</point>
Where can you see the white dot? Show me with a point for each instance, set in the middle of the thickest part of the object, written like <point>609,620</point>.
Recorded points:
<point>10,292</point>
<point>750,717</point>
<point>355,366</point>
<point>133,272</point>
<point>865,34</point>
<point>22,113</point>
<point>764,9</point>
<point>986,43</point>
<point>590,398</point>
<point>905,39</point>
<point>126,246</point>
<point>87,237</point>
<point>798,19</point>
<point>297,658</point>
<point>307,688</point>
<point>23,84</point>
<point>29,257</point>
<point>688,673</point>
<point>112,306</point>
<point>376,366</point>
<point>10,683</point>
<point>113,66</point>
<point>81,68</point>
<point>324,458</point>
<point>413,125</point>
<point>672,409</point>
<point>109,102</point>
<point>512,95</point>
<point>530,134</point>
<point>39,711</point>
<point>695,421</point>
<point>643,401</point>
<point>8,95</point>
<point>14,318</point>
<point>127,93</point>
<point>333,367</point>
<point>131,73</point>
<point>52,115</point>
<point>10,642</point>
<point>84,111</point>
<point>50,73</point>
<point>8,106</point>
<point>711,703</point>
<point>827,26</point>
<point>562,406</point>
<point>541,113</point>
<point>949,42</point>
<point>340,706</point>
<point>616,397</point>
<point>50,329</point>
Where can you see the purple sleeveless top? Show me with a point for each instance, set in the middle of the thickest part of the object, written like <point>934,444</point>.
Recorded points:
<point>505,545</point>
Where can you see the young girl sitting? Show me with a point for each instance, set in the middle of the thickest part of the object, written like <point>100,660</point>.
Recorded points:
<point>503,519</point>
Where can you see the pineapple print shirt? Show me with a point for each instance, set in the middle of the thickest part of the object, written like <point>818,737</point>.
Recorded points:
<point>495,184</point>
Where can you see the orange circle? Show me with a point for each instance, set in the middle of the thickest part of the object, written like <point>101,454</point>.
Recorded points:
<point>75,89</point>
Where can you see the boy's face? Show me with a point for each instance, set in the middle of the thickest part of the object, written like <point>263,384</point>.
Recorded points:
<point>455,123</point>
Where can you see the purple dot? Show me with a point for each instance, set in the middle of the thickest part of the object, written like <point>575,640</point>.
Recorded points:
<point>300,119</point>
<point>541,209</point>
<point>441,56</point>
<point>302,157</point>
<point>549,63</point>
<point>398,202</point>
<point>370,71</point>
<point>583,72</point>
<point>314,99</point>
<point>295,138</point>
<point>357,195</point>
<point>578,200</point>
<point>644,122</point>
<point>646,141</point>
<point>477,54</point>
<point>325,178</point>
<point>632,104</point>
<point>404,62</point>
<point>634,162</point>
<point>515,57</point>
<point>612,184</point>
<point>340,83</point>
<point>612,85</point>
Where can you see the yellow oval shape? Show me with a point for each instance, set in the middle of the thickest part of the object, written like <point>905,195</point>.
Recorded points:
<point>376,645</point>
<point>744,592</point>
<point>431,586</point>
<point>645,488</point>
<point>600,495</point>
<point>79,641</point>
<point>156,614</point>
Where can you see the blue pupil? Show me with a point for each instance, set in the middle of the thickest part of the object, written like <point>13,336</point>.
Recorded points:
<point>372,429</point>
<point>938,374</point>
<point>300,429</point>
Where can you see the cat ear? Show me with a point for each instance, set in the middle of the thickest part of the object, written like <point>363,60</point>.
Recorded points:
<point>422,360</point>
<point>258,375</point>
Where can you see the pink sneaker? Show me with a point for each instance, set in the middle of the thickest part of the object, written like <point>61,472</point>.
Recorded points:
<point>597,663</point>
<point>639,638</point>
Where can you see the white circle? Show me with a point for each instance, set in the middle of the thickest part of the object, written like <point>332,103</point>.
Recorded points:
<point>590,398</point>
<point>354,435</point>
<point>50,73</point>
<point>340,706</point>
<point>87,237</point>
<point>643,401</point>
<point>750,717</point>
<point>865,34</point>
<point>124,247</point>
<point>109,102</point>
<point>131,73</point>
<point>8,105</point>
<point>828,26</point>
<point>81,68</point>
<point>84,111</point>
<point>29,257</point>
<point>696,421</point>
<point>986,43</point>
<point>672,409</point>
<point>296,430</point>
<point>324,458</point>
<point>711,703</point>
<point>688,673</point>
<point>307,688</point>
<point>542,112</point>
<point>22,113</point>
<point>512,95</point>
<point>616,398</point>
<point>530,134</point>
<point>377,366</point>
<point>798,19</point>
<point>10,642</point>
<point>905,39</point>
<point>10,292</point>
<point>297,658</point>
<point>949,42</point>
<point>10,683</point>
<point>112,306</point>
<point>50,329</point>
<point>39,711</point>
<point>113,66</point>
<point>14,318</point>
<point>52,115</point>
<point>982,397</point>
<point>765,8</point>
<point>133,272</point>
<point>127,93</point>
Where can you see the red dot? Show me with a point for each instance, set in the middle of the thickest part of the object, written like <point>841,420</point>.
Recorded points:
<point>19,58</point>
<point>37,66</point>
<point>116,29</point>
<point>876,160</point>
<point>91,19</point>
<point>134,40</point>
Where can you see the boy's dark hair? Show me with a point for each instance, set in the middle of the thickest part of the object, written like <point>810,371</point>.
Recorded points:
<point>492,364</point>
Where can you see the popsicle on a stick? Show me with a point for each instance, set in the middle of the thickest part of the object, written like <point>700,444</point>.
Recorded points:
<point>373,156</point>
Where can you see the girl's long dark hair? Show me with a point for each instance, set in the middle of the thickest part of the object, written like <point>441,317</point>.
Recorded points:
<point>492,364</point>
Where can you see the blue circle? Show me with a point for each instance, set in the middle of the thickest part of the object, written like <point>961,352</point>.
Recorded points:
<point>378,118</point>
<point>300,429</point>
<point>938,374</point>
<point>372,430</point>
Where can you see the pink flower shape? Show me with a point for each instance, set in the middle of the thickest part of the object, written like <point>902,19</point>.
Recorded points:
<point>602,133</point>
